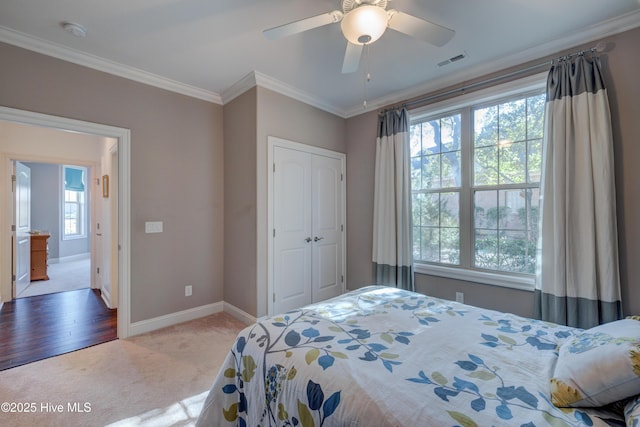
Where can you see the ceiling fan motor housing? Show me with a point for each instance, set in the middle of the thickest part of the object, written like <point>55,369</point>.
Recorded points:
<point>349,5</point>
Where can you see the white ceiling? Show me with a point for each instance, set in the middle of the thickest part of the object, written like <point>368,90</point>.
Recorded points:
<point>209,48</point>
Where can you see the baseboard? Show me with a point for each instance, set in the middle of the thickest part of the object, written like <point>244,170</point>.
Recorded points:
<point>241,315</point>
<point>106,296</point>
<point>149,325</point>
<point>191,314</point>
<point>69,258</point>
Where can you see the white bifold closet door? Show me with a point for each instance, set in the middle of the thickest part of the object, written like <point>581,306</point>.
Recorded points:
<point>308,226</point>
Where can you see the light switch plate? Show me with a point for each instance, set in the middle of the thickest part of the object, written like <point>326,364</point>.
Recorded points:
<point>153,227</point>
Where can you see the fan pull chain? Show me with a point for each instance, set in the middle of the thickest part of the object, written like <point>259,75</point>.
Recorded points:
<point>367,78</point>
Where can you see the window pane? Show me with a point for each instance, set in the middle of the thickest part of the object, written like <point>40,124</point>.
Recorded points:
<point>486,209</point>
<point>485,126</point>
<point>417,242</point>
<point>535,116</point>
<point>416,173</point>
<point>71,196</point>
<point>531,213</point>
<point>70,210</point>
<point>450,246</point>
<point>513,161</point>
<point>512,209</point>
<point>451,169</point>
<point>450,210</point>
<point>430,134</point>
<point>485,166</point>
<point>70,226</point>
<point>415,140</point>
<point>486,249</point>
<point>512,121</point>
<point>430,214</point>
<point>430,244</point>
<point>450,130</point>
<point>515,221</point>
<point>534,161</point>
<point>516,253</point>
<point>431,171</point>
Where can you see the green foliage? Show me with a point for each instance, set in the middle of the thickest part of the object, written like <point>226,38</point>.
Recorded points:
<point>506,150</point>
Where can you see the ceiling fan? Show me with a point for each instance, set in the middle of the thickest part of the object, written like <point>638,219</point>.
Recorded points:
<point>363,22</point>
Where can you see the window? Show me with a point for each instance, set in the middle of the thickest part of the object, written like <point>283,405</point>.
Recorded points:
<point>74,211</point>
<point>475,177</point>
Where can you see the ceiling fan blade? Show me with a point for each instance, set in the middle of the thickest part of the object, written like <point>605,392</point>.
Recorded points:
<point>352,58</point>
<point>419,28</point>
<point>303,25</point>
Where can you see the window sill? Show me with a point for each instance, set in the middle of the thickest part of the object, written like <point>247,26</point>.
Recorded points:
<point>525,283</point>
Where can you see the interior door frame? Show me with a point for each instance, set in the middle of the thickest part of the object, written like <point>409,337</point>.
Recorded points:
<point>123,136</point>
<point>273,142</point>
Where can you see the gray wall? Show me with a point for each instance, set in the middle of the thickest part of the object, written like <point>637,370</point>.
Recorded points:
<point>620,64</point>
<point>45,202</point>
<point>248,122</point>
<point>240,201</point>
<point>46,210</point>
<point>176,171</point>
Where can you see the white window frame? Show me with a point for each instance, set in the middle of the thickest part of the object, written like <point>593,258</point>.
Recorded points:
<point>84,209</point>
<point>452,106</point>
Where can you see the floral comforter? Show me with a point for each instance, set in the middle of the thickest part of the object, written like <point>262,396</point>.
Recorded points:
<point>381,356</point>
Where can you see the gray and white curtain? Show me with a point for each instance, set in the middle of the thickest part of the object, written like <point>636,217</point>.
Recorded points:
<point>392,242</point>
<point>577,278</point>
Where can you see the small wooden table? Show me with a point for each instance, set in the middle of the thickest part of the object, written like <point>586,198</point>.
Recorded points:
<point>39,254</point>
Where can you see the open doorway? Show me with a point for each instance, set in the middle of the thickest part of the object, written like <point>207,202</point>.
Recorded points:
<point>118,273</point>
<point>58,216</point>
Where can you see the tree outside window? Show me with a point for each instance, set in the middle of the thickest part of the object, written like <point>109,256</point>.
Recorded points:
<point>499,194</point>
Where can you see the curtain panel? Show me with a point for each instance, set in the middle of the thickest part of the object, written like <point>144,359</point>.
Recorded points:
<point>577,277</point>
<point>392,239</point>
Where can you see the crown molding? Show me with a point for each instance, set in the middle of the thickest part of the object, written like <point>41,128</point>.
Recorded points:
<point>256,78</point>
<point>602,30</point>
<point>282,88</point>
<point>55,50</point>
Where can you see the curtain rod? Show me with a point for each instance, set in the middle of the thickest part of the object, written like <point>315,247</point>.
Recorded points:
<point>597,48</point>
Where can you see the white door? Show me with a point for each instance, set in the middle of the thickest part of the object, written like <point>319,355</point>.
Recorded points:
<point>22,223</point>
<point>327,224</point>
<point>292,229</point>
<point>308,227</point>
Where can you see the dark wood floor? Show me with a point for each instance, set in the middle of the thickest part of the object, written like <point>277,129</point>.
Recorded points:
<point>43,326</point>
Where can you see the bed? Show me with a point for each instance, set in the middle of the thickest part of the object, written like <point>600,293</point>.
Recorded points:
<point>381,356</point>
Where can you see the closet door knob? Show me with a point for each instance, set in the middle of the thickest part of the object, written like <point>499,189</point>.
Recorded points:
<point>308,239</point>
<point>317,239</point>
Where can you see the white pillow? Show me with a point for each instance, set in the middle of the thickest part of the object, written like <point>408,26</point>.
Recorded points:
<point>598,366</point>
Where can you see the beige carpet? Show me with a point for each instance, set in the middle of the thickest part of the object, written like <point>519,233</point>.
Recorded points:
<point>64,276</point>
<point>157,379</point>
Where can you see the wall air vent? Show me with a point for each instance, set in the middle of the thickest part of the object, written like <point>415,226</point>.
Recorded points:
<point>455,58</point>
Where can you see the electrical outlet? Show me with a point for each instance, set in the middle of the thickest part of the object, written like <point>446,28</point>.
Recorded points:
<point>460,297</point>
<point>188,291</point>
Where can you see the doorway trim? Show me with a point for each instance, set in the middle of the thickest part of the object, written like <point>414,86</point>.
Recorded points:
<point>123,137</point>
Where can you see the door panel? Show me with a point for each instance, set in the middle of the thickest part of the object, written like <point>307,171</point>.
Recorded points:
<point>292,225</point>
<point>327,233</point>
<point>22,250</point>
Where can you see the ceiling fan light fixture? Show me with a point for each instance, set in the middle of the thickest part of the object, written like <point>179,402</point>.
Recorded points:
<point>364,24</point>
